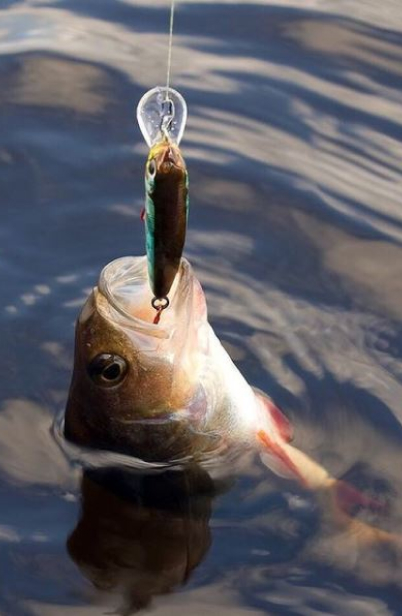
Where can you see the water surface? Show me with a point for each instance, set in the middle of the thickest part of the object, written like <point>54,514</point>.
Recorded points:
<point>294,151</point>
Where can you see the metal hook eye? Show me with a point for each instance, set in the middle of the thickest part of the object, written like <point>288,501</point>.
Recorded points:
<point>160,303</point>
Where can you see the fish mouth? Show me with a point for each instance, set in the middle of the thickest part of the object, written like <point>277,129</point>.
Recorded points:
<point>124,284</point>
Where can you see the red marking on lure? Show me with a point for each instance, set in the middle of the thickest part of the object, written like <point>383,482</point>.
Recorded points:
<point>281,422</point>
<point>276,450</point>
<point>143,214</point>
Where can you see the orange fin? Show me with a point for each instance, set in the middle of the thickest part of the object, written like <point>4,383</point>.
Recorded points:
<point>349,498</point>
<point>276,458</point>
<point>281,422</point>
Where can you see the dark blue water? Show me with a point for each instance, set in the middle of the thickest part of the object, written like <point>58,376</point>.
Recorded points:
<point>294,150</point>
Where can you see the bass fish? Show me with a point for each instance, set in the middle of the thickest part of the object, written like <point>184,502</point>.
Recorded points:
<point>166,214</point>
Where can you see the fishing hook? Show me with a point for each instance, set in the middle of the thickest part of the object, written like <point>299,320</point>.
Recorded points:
<point>159,304</point>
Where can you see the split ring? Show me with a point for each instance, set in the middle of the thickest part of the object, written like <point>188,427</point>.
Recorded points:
<point>160,303</point>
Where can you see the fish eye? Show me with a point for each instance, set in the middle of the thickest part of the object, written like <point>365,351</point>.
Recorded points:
<point>152,169</point>
<point>107,369</point>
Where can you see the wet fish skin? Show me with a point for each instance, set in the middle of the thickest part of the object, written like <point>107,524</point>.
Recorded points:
<point>166,214</point>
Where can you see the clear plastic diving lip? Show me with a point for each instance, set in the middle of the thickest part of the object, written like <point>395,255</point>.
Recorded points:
<point>153,113</point>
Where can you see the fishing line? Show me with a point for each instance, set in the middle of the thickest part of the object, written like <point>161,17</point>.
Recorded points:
<point>168,111</point>
<point>169,63</point>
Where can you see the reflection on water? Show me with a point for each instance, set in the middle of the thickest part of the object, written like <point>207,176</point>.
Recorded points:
<point>294,149</point>
<point>141,535</point>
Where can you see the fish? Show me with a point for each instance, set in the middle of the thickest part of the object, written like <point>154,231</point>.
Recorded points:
<point>165,214</point>
<point>170,394</point>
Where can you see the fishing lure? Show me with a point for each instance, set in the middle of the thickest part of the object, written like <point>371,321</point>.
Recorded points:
<point>166,213</point>
<point>162,116</point>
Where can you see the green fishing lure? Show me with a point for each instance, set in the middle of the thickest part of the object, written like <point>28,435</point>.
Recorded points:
<point>166,214</point>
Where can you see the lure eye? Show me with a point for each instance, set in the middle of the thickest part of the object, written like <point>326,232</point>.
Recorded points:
<point>151,169</point>
<point>107,369</point>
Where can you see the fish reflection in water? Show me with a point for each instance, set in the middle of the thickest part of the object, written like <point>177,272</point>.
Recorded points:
<point>142,535</point>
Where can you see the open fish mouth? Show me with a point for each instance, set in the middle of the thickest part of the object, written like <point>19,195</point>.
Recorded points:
<point>124,282</point>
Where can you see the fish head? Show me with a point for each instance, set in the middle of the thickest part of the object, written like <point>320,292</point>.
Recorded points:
<point>135,387</point>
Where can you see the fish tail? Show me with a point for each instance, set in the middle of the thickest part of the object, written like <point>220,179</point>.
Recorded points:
<point>338,499</point>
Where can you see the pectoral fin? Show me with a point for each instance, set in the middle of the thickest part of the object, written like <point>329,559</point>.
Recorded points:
<point>276,458</point>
